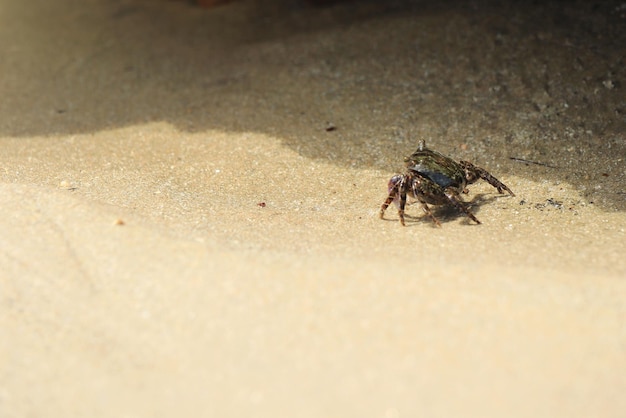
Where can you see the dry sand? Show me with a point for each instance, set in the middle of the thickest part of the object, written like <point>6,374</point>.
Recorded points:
<point>180,234</point>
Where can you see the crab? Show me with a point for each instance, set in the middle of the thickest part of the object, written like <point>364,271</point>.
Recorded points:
<point>433,178</point>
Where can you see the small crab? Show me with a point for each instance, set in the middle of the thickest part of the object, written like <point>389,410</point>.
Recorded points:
<point>436,179</point>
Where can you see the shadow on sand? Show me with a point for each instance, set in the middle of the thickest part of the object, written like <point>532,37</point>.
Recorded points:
<point>355,84</point>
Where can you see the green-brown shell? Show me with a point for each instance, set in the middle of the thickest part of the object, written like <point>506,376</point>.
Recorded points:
<point>438,168</point>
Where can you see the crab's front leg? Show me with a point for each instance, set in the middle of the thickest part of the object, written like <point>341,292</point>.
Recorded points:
<point>473,173</point>
<point>423,187</point>
<point>455,199</point>
<point>396,186</point>
<point>430,213</point>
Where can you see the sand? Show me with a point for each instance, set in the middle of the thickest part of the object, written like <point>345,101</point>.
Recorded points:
<point>189,210</point>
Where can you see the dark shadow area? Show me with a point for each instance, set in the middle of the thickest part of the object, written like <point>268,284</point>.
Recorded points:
<point>482,81</point>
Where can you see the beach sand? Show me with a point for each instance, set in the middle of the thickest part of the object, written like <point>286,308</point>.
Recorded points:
<point>189,209</point>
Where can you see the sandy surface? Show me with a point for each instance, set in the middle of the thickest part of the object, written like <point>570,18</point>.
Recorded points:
<point>180,234</point>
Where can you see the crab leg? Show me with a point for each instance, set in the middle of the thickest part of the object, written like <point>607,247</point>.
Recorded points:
<point>397,185</point>
<point>460,205</point>
<point>485,175</point>
<point>393,192</point>
<point>402,205</point>
<point>429,213</point>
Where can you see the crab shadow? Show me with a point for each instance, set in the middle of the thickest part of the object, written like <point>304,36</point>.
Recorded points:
<point>447,213</point>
